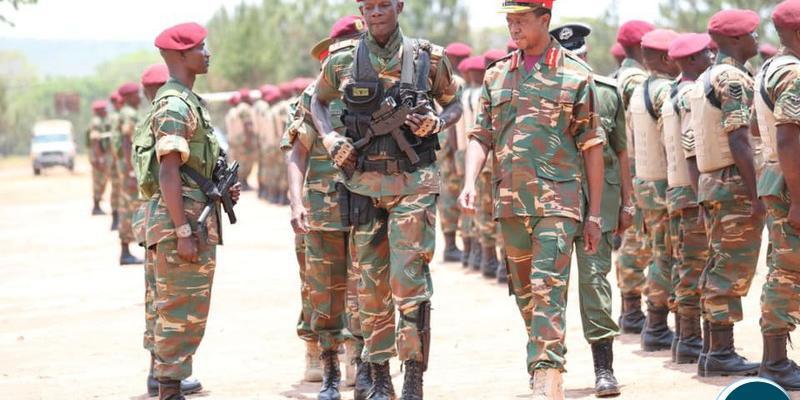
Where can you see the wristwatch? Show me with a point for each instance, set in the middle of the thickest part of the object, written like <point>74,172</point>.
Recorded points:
<point>184,231</point>
<point>597,220</point>
<point>629,209</point>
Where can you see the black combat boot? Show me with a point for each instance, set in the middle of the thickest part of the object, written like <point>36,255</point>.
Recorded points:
<point>467,251</point>
<point>690,343</point>
<point>475,256</point>
<point>605,384</point>
<point>412,383</point>
<point>170,390</point>
<point>126,258</point>
<point>331,376</point>
<point>722,359</point>
<point>656,335</point>
<point>489,262</point>
<point>114,220</point>
<point>631,320</point>
<point>502,270</point>
<point>701,359</point>
<point>96,210</point>
<point>188,386</point>
<point>776,367</point>
<point>451,251</point>
<point>673,349</point>
<point>363,380</point>
<point>382,388</point>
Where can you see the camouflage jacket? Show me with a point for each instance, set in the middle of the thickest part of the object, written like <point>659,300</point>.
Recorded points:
<point>387,60</point>
<point>99,131</point>
<point>612,121</point>
<point>735,91</point>
<point>536,124</point>
<point>127,119</point>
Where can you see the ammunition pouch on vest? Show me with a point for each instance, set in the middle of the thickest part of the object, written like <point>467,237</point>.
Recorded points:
<point>375,119</point>
<point>355,209</point>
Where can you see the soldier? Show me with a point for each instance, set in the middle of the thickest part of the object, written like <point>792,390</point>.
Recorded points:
<point>152,79</point>
<point>129,194</point>
<point>392,182</point>
<point>263,124</point>
<point>777,103</point>
<point>618,52</point>
<point>449,213</point>
<point>184,265</point>
<point>245,144</point>
<point>531,96</point>
<point>635,252</point>
<point>599,327</point>
<point>721,104</point>
<point>316,214</point>
<point>692,53</point>
<point>280,115</point>
<point>113,120</point>
<point>98,141</point>
<point>767,51</point>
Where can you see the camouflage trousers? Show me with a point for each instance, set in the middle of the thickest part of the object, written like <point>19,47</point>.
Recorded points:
<point>448,199</point>
<point>659,274</point>
<point>100,177</point>
<point>594,290</point>
<point>538,254</point>
<point>182,300</point>
<point>634,257</point>
<point>304,330</point>
<point>780,296</point>
<point>129,204</point>
<point>735,242</point>
<point>393,252</point>
<point>689,254</point>
<point>485,224</point>
<point>149,300</point>
<point>113,175</point>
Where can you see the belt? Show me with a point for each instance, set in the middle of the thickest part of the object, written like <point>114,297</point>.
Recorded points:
<point>392,167</point>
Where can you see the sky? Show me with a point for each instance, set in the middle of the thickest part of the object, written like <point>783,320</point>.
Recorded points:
<point>142,20</point>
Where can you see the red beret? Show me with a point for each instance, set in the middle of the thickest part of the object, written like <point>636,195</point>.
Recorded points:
<point>128,88</point>
<point>689,44</point>
<point>767,50</point>
<point>286,88</point>
<point>787,15</point>
<point>493,55</point>
<point>270,93</point>
<point>630,33</point>
<point>235,99</point>
<point>512,45</point>
<point>155,75</point>
<point>458,50</point>
<point>617,50</point>
<point>659,39</point>
<point>733,23</point>
<point>98,105</point>
<point>244,93</point>
<point>115,97</point>
<point>350,25</point>
<point>474,63</point>
<point>181,37</point>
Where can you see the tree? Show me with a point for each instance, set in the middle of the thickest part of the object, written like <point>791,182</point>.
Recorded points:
<point>693,15</point>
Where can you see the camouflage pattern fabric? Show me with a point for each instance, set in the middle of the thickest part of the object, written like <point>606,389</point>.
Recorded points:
<point>327,261</point>
<point>690,252</point>
<point>536,130</point>
<point>451,186</point>
<point>129,201</point>
<point>99,133</point>
<point>304,330</point>
<point>393,253</point>
<point>264,126</point>
<point>150,315</point>
<point>538,272</point>
<point>353,314</point>
<point>485,224</point>
<point>113,121</point>
<point>245,146</point>
<point>279,172</point>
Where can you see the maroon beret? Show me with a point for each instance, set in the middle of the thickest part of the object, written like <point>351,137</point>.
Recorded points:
<point>458,50</point>
<point>617,50</point>
<point>733,23</point>
<point>689,44</point>
<point>350,25</point>
<point>128,88</point>
<point>235,99</point>
<point>493,55</point>
<point>631,33</point>
<point>659,39</point>
<point>286,88</point>
<point>115,97</point>
<point>181,37</point>
<point>787,15</point>
<point>155,75</point>
<point>270,93</point>
<point>474,63</point>
<point>244,93</point>
<point>98,105</point>
<point>767,50</point>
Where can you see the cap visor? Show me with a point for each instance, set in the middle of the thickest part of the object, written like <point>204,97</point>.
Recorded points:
<point>320,47</point>
<point>515,9</point>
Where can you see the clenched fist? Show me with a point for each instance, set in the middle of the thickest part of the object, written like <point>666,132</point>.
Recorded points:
<point>424,125</point>
<point>340,149</point>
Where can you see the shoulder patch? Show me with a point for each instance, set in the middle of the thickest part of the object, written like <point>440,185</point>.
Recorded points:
<point>344,44</point>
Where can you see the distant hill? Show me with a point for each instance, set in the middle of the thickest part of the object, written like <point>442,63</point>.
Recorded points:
<point>70,57</point>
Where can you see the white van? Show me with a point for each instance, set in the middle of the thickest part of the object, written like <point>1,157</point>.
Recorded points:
<point>52,143</point>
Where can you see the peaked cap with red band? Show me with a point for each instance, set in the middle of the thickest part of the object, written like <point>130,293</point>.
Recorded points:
<point>155,75</point>
<point>630,33</point>
<point>689,44</point>
<point>181,37</point>
<point>733,23</point>
<point>523,6</point>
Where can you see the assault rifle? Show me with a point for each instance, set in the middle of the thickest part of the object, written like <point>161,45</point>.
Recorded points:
<point>219,191</point>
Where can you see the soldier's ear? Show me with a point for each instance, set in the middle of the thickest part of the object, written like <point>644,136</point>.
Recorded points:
<point>400,6</point>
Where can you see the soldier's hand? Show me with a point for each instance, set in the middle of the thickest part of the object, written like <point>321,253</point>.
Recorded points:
<point>758,210</point>
<point>187,249</point>
<point>236,192</point>
<point>341,150</point>
<point>591,237</point>
<point>424,125</point>
<point>625,221</point>
<point>794,216</point>
<point>299,219</point>
<point>466,200</point>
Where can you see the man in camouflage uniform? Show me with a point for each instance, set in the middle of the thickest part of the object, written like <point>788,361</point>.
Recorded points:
<point>316,215</point>
<point>129,194</point>
<point>599,327</point>
<point>184,264</point>
<point>113,120</point>
<point>244,146</point>
<point>392,192</point>
<point>721,103</point>
<point>777,104</point>
<point>280,115</point>
<point>98,142</point>
<point>531,96</point>
<point>687,233</point>
<point>635,252</point>
<point>264,125</point>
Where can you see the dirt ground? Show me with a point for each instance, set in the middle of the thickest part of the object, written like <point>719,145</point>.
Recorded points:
<point>71,318</point>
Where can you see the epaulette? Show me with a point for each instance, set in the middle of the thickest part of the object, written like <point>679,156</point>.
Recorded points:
<point>344,44</point>
<point>574,57</point>
<point>510,56</point>
<point>605,80</point>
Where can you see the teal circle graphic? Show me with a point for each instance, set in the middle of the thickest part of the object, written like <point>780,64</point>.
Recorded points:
<point>753,389</point>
